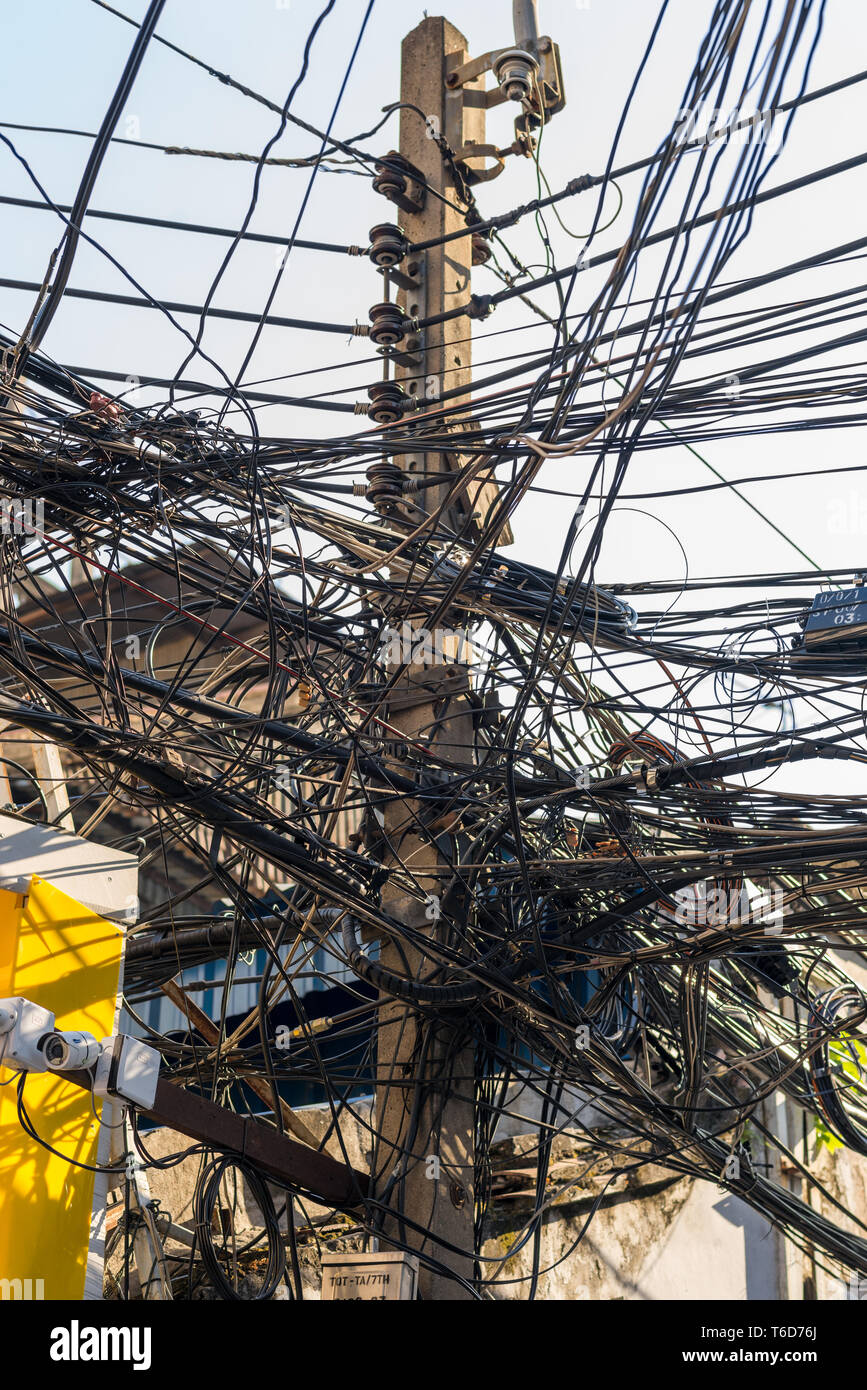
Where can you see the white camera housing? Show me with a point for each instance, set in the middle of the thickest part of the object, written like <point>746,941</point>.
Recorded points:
<point>24,1030</point>
<point>127,1069</point>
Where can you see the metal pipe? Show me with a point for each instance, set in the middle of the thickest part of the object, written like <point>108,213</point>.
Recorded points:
<point>526,23</point>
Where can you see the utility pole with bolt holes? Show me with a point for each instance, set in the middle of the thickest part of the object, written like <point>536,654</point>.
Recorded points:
<point>425,1104</point>
<point>425,1095</point>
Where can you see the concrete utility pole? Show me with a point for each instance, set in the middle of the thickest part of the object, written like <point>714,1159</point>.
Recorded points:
<point>441,275</point>
<point>425,1098</point>
<point>424,1154</point>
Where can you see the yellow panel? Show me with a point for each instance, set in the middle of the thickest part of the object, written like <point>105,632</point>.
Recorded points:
<point>62,956</point>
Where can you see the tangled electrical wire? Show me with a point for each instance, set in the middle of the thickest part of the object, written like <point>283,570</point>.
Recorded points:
<point>391,779</point>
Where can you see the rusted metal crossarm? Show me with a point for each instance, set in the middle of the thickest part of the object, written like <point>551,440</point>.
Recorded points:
<point>326,1179</point>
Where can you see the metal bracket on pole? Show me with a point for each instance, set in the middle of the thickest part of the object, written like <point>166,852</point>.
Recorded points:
<point>532,75</point>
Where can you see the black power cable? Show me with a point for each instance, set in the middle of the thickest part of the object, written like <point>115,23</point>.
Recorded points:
<point>206,1208</point>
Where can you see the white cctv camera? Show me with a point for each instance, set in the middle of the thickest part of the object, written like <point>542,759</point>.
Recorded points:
<point>29,1040</point>
<point>70,1051</point>
<point>123,1067</point>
